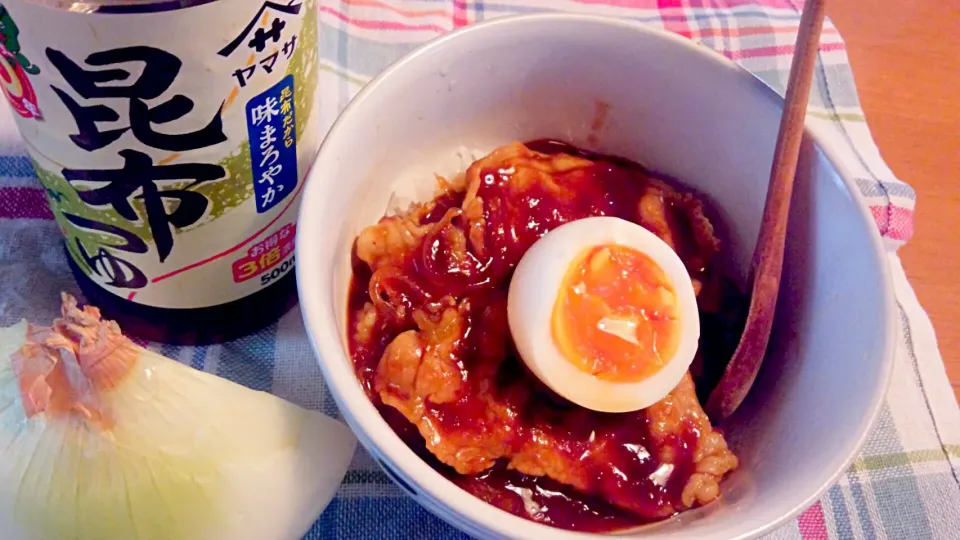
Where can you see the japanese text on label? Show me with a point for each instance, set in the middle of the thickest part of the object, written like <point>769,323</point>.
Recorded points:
<point>265,254</point>
<point>262,59</point>
<point>165,195</point>
<point>273,150</point>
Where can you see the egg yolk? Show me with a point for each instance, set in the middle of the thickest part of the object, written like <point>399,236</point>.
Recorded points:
<point>616,315</point>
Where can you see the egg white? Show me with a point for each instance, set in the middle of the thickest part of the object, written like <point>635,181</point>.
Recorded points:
<point>537,282</point>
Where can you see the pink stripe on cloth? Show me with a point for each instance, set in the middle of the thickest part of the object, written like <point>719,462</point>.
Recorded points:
<point>459,13</point>
<point>779,50</point>
<point>678,26</point>
<point>381,25</point>
<point>661,4</point>
<point>24,203</point>
<point>812,524</point>
<point>894,222</point>
<point>409,13</point>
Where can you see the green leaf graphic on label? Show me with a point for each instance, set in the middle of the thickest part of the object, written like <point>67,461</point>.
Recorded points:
<point>224,195</point>
<point>63,199</point>
<point>231,191</point>
<point>303,67</point>
<point>10,40</point>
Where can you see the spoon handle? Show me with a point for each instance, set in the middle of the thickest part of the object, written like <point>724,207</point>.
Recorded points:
<point>767,264</point>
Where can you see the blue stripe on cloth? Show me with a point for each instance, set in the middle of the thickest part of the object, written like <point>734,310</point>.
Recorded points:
<point>199,357</point>
<point>329,406</point>
<point>873,188</point>
<point>367,57</point>
<point>16,167</point>
<point>841,517</point>
<point>380,517</point>
<point>843,94</point>
<point>342,47</point>
<point>724,41</point>
<point>943,489</point>
<point>366,477</point>
<point>250,360</point>
<point>899,499</point>
<point>884,440</point>
<point>820,96</point>
<point>901,508</point>
<point>170,351</point>
<point>860,502</point>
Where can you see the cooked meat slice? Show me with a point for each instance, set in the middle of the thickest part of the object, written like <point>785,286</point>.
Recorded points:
<point>669,418</point>
<point>366,324</point>
<point>450,369</point>
<point>610,456</point>
<point>390,240</point>
<point>598,460</point>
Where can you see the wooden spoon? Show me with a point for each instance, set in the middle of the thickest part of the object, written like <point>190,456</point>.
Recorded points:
<point>767,265</point>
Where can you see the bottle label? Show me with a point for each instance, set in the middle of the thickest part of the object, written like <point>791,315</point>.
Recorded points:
<point>172,142</point>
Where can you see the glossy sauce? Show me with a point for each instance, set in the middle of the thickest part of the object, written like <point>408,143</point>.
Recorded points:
<point>629,473</point>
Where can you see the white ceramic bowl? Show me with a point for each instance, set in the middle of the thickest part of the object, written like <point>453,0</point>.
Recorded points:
<point>679,109</point>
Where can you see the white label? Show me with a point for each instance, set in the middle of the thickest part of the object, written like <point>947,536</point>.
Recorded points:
<point>172,145</point>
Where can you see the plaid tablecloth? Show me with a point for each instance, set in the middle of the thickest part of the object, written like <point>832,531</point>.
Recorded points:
<point>905,485</point>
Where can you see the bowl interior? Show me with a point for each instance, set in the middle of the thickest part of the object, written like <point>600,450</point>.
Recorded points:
<point>639,93</point>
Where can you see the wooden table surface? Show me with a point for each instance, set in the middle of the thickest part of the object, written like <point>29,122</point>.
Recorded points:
<point>906,60</point>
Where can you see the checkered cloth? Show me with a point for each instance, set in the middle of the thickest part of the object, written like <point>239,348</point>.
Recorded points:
<point>905,485</point>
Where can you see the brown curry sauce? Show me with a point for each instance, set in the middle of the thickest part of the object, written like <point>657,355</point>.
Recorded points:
<point>629,470</point>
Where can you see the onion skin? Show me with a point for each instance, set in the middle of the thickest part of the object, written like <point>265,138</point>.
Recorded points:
<point>101,439</point>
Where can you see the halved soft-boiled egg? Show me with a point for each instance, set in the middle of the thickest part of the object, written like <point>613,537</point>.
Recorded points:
<point>604,313</point>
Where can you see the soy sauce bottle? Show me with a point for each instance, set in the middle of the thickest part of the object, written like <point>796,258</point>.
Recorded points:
<point>172,140</point>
